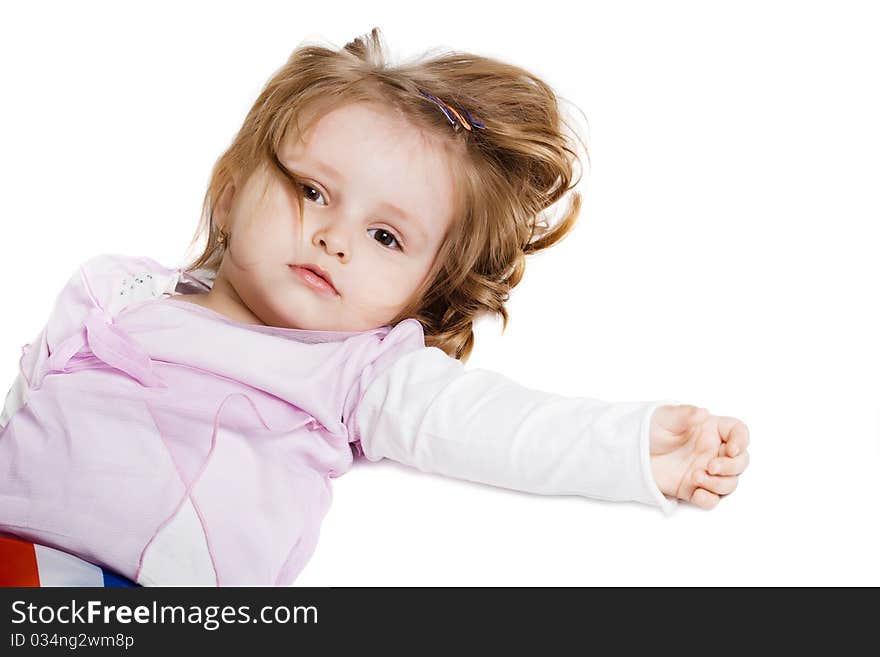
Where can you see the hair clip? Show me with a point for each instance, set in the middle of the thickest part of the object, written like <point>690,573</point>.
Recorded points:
<point>454,117</point>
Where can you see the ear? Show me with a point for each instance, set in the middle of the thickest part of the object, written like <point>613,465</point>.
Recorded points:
<point>224,203</point>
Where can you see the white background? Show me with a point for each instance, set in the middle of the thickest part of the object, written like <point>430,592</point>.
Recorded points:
<point>726,256</point>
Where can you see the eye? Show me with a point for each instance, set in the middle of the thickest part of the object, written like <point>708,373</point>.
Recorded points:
<point>385,236</point>
<point>308,189</point>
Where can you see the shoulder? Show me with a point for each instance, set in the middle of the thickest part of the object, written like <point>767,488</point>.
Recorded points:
<point>407,334</point>
<point>405,357</point>
<point>113,281</point>
<point>394,343</point>
<point>113,265</point>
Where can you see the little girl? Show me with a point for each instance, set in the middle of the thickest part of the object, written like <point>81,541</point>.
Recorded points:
<point>180,426</point>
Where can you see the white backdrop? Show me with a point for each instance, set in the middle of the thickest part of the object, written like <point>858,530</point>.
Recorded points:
<point>726,256</point>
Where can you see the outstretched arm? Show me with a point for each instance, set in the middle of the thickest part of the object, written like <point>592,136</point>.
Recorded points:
<point>427,411</point>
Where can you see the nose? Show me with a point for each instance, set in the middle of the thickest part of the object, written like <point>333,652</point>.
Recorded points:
<point>332,241</point>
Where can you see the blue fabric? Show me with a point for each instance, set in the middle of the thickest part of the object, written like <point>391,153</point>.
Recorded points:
<point>112,579</point>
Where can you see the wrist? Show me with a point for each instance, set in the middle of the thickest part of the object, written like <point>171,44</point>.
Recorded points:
<point>660,473</point>
<point>656,470</point>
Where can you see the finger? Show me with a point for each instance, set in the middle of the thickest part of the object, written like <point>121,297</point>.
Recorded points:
<point>723,465</point>
<point>719,485</point>
<point>705,499</point>
<point>690,483</point>
<point>734,433</point>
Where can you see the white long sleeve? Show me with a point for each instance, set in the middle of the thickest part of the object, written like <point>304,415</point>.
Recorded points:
<point>427,411</point>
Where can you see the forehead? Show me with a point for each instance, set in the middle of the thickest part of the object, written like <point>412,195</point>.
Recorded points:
<point>368,153</point>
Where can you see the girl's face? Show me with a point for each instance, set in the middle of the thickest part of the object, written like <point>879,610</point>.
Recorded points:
<point>378,201</point>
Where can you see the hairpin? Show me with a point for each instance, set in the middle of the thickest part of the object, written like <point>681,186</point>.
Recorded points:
<point>454,117</point>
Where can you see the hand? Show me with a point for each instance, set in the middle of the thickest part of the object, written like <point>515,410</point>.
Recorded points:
<point>696,456</point>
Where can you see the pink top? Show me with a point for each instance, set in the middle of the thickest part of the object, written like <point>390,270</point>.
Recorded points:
<point>166,442</point>
<point>141,412</point>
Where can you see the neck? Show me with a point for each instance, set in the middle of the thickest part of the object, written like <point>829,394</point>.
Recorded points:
<point>223,299</point>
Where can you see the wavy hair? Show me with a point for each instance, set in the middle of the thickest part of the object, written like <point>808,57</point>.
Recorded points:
<point>507,175</point>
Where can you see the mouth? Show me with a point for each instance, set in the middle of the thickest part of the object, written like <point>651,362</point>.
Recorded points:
<point>316,277</point>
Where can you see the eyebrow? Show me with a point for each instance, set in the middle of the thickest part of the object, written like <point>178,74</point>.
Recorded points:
<point>325,168</point>
<point>384,206</point>
<point>400,214</point>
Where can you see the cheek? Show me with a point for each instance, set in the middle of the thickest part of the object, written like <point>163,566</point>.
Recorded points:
<point>265,215</point>
<point>266,237</point>
<point>390,288</point>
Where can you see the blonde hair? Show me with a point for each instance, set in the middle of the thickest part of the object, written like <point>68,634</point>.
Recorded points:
<point>507,175</point>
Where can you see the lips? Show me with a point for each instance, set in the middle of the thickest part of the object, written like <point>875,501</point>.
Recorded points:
<point>319,272</point>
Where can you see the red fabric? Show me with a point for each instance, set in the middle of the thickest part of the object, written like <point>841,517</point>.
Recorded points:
<point>18,563</point>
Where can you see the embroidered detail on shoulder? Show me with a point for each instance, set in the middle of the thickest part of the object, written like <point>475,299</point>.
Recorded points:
<point>139,287</point>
